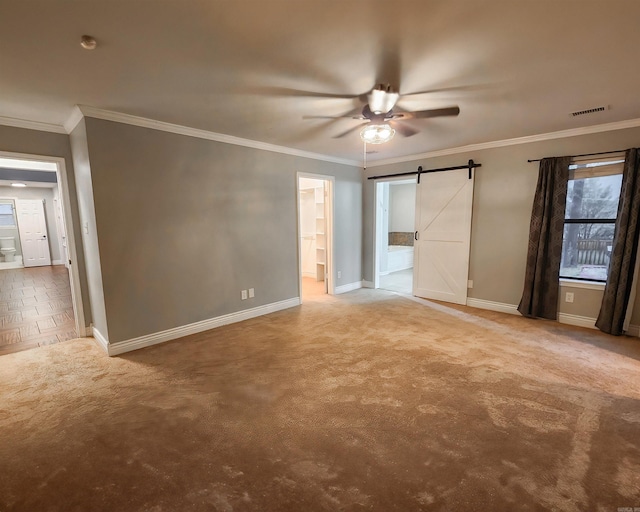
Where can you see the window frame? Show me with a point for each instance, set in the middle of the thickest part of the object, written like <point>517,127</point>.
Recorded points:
<point>580,169</point>
<point>14,226</point>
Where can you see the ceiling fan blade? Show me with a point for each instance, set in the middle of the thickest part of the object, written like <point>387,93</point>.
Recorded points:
<point>435,90</point>
<point>334,117</point>
<point>289,91</point>
<point>403,129</point>
<point>355,113</point>
<point>350,130</point>
<point>423,114</point>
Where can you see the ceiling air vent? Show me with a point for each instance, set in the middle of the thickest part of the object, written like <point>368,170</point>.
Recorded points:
<point>588,111</point>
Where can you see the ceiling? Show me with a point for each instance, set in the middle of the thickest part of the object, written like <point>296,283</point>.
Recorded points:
<point>29,184</point>
<point>253,69</point>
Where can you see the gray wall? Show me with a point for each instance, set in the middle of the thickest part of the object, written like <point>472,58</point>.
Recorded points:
<point>402,207</point>
<point>184,224</point>
<point>503,196</point>
<point>33,142</point>
<point>45,194</point>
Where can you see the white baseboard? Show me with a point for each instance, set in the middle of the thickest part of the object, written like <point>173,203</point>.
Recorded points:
<point>493,306</point>
<point>563,318</point>
<point>368,284</point>
<point>348,287</point>
<point>57,262</point>
<point>577,320</point>
<point>100,339</point>
<point>85,331</point>
<point>310,274</point>
<point>114,349</point>
<point>16,263</point>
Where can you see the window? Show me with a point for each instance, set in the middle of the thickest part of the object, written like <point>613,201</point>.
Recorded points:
<point>593,193</point>
<point>7,220</point>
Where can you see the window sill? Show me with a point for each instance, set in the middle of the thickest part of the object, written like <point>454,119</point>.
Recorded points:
<point>586,285</point>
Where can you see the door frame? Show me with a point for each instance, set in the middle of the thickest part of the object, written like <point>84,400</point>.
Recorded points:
<point>63,190</point>
<point>329,208</point>
<point>377,219</point>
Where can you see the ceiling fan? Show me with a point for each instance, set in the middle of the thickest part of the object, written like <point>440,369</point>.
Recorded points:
<point>381,121</point>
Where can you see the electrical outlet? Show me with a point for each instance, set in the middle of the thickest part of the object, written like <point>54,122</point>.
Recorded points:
<point>252,293</point>
<point>470,283</point>
<point>339,274</point>
<point>244,295</point>
<point>568,297</point>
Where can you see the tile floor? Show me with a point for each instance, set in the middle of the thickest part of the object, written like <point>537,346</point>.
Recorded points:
<point>35,308</point>
<point>401,281</point>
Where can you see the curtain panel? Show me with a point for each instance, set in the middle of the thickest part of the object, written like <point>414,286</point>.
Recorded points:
<point>619,291</point>
<point>541,284</point>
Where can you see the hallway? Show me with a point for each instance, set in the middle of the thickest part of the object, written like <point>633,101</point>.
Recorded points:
<point>35,308</point>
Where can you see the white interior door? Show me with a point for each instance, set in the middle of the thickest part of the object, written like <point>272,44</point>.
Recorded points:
<point>33,232</point>
<point>443,228</point>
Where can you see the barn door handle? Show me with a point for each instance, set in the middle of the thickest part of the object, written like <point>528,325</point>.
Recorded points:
<point>415,235</point>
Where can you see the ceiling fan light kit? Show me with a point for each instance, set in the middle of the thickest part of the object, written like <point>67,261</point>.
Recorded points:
<point>382,121</point>
<point>377,133</point>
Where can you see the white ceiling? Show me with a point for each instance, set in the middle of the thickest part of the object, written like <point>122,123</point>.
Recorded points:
<point>29,184</point>
<point>244,68</point>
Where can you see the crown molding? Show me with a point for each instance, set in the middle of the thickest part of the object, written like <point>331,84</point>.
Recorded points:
<point>572,132</point>
<point>31,125</point>
<point>80,111</point>
<point>73,120</point>
<point>143,122</point>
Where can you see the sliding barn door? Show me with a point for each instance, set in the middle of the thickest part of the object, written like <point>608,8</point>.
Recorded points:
<point>443,230</point>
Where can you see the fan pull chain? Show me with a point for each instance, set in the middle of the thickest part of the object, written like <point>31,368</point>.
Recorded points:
<point>364,155</point>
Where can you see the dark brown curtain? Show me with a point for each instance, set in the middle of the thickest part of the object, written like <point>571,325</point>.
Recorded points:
<point>541,282</point>
<point>622,264</point>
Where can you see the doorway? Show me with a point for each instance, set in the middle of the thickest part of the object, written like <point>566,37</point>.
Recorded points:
<point>395,224</point>
<point>40,296</point>
<point>315,235</point>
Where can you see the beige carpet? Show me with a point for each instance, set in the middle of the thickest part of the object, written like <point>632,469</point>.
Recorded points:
<point>367,401</point>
